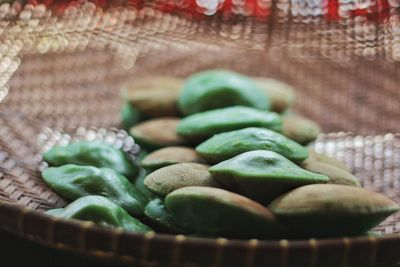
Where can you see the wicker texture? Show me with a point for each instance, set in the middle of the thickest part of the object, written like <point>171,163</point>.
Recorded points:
<point>60,80</point>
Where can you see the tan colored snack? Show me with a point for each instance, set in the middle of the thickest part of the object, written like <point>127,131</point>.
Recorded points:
<point>326,159</point>
<point>156,96</point>
<point>169,156</point>
<point>327,210</point>
<point>152,83</point>
<point>157,133</point>
<point>165,180</point>
<point>336,175</point>
<point>280,94</point>
<point>300,129</point>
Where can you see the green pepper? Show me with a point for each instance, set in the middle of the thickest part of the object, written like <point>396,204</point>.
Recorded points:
<point>72,182</point>
<point>227,145</point>
<point>156,211</point>
<point>92,153</point>
<point>262,175</point>
<point>130,116</point>
<point>101,211</point>
<point>214,89</point>
<point>203,125</point>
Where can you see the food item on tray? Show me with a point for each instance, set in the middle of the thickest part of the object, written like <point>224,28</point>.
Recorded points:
<point>201,126</point>
<point>217,212</point>
<point>101,211</point>
<point>265,184</point>
<point>336,175</point>
<point>300,208</point>
<point>158,214</point>
<point>157,133</point>
<point>226,145</point>
<point>167,179</point>
<point>73,181</point>
<point>153,103</point>
<point>300,129</point>
<point>129,116</point>
<point>280,94</point>
<point>139,185</point>
<point>324,210</point>
<point>169,156</point>
<point>326,159</point>
<point>262,175</point>
<point>213,89</point>
<point>158,96</point>
<point>150,97</point>
<point>92,153</point>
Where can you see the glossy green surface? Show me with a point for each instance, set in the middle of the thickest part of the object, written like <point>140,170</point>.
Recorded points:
<point>214,89</point>
<point>129,116</point>
<point>167,179</point>
<point>262,175</point>
<point>157,212</point>
<point>327,210</point>
<point>72,182</point>
<point>101,211</point>
<point>220,213</point>
<point>227,145</point>
<point>92,153</point>
<point>204,125</point>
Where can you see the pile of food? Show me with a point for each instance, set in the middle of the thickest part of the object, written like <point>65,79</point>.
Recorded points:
<point>222,156</point>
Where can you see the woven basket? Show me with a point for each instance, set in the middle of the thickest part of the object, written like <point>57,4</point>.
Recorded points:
<point>62,66</point>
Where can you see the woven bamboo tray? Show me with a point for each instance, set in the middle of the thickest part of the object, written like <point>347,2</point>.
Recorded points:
<point>61,68</point>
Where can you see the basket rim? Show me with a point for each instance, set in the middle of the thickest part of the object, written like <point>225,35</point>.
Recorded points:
<point>21,218</point>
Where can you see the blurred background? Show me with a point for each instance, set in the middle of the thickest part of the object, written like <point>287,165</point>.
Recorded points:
<point>341,55</point>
